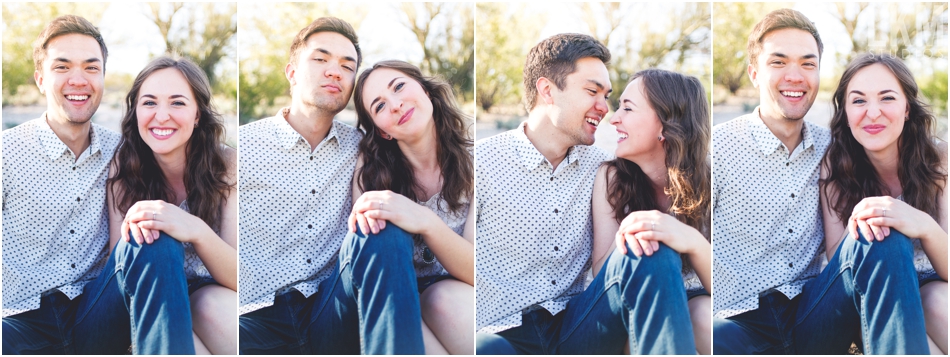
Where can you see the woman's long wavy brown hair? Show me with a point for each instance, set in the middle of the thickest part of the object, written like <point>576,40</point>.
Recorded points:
<point>139,177</point>
<point>384,165</point>
<point>680,103</point>
<point>850,173</point>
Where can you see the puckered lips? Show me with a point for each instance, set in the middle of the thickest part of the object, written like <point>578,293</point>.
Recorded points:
<point>405,117</point>
<point>332,87</point>
<point>874,128</point>
<point>162,133</point>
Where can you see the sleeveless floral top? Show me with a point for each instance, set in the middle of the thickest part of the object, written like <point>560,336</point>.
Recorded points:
<point>423,260</point>
<point>194,267</point>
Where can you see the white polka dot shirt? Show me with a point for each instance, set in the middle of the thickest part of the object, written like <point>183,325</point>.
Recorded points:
<point>294,205</point>
<point>55,221</point>
<point>534,227</point>
<point>766,220</point>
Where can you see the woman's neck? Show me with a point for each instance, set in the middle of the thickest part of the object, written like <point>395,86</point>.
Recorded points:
<point>654,166</point>
<point>422,154</point>
<point>886,164</point>
<point>173,168</point>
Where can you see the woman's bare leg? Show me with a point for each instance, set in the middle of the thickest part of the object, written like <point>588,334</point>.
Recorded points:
<point>214,318</point>
<point>933,296</point>
<point>448,308</point>
<point>700,314</point>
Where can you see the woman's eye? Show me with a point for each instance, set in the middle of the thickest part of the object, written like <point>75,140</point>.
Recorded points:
<point>148,102</point>
<point>857,101</point>
<point>378,108</point>
<point>178,103</point>
<point>399,86</point>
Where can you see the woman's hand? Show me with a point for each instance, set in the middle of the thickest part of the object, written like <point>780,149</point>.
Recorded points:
<point>374,208</point>
<point>146,218</point>
<point>875,216</point>
<point>643,230</point>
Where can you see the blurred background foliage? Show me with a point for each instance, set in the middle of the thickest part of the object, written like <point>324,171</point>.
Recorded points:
<point>914,32</point>
<point>436,37</point>
<point>135,33</point>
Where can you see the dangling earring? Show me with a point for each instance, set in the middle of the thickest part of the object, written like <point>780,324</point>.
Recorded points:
<point>660,138</point>
<point>384,135</point>
<point>196,123</point>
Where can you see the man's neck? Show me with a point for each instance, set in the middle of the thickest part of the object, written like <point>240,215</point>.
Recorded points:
<point>74,135</point>
<point>313,123</point>
<point>788,131</point>
<point>546,138</point>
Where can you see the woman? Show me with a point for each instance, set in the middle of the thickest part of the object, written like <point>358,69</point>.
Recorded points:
<point>885,170</point>
<point>657,190</point>
<point>172,174</point>
<point>416,172</point>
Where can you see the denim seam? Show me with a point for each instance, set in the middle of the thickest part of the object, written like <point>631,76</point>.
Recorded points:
<point>607,286</point>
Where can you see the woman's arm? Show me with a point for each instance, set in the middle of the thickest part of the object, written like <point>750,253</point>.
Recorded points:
<point>605,225</point>
<point>834,228</point>
<point>219,254</point>
<point>116,218</point>
<point>936,246</point>
<point>456,253</point>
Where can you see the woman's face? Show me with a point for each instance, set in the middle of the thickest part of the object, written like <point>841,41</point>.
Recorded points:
<point>166,111</point>
<point>876,108</point>
<point>398,105</point>
<point>638,125</point>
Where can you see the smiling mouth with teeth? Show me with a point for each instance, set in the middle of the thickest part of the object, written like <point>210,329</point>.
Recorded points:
<point>163,132</point>
<point>77,97</point>
<point>592,121</point>
<point>622,135</point>
<point>793,94</point>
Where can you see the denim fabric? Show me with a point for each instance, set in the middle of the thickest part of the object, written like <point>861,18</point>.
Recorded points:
<point>139,298</point>
<point>868,293</point>
<point>640,302</point>
<point>369,305</point>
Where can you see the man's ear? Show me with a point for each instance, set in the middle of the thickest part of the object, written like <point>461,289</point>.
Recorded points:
<point>38,78</point>
<point>544,90</point>
<point>289,71</point>
<point>753,73</point>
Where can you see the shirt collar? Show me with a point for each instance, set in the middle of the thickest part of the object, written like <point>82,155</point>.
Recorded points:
<point>767,142</point>
<point>288,137</point>
<point>54,147</point>
<point>529,155</point>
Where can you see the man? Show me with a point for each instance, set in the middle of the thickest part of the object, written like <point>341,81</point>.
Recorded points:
<point>294,176</point>
<point>771,297</point>
<point>57,297</point>
<point>535,232</point>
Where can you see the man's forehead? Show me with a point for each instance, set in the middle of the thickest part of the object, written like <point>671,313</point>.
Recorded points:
<point>332,42</point>
<point>73,44</point>
<point>789,39</point>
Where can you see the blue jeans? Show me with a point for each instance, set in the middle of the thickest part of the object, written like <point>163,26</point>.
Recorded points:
<point>369,305</point>
<point>868,292</point>
<point>639,302</point>
<point>140,298</point>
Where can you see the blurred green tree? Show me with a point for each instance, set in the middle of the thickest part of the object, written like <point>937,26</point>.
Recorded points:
<point>731,29</point>
<point>504,38</point>
<point>447,45</point>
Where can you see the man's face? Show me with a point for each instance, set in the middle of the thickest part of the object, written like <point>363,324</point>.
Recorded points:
<point>324,72</point>
<point>583,102</point>
<point>72,78</point>
<point>786,74</point>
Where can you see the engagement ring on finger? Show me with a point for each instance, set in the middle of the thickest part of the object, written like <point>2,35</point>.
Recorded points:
<point>153,215</point>
<point>653,225</point>
<point>885,213</point>
<point>380,205</point>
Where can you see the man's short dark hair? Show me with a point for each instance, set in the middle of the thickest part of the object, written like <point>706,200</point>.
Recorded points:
<point>555,58</point>
<point>778,20</point>
<point>325,24</point>
<point>65,25</point>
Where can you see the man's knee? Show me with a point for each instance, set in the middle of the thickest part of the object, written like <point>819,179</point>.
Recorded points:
<point>492,344</point>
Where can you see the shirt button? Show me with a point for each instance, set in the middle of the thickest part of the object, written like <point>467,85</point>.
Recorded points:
<point>552,178</point>
<point>72,231</point>
<point>793,195</point>
<point>309,226</point>
<point>74,168</point>
<point>308,260</point>
<point>555,248</point>
<point>313,191</point>
<point>787,163</point>
<point>555,210</point>
<point>789,230</point>
<point>78,199</point>
<point>553,282</point>
<point>790,265</point>
<point>311,158</point>
<point>73,265</point>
